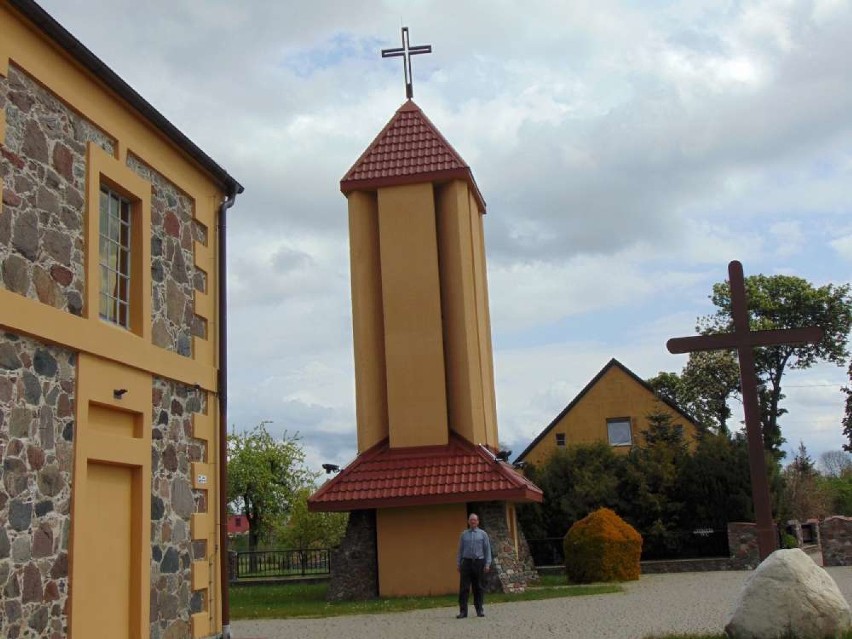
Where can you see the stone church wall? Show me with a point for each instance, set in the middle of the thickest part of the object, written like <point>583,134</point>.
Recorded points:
<point>174,275</point>
<point>172,503</point>
<point>37,384</point>
<point>44,175</point>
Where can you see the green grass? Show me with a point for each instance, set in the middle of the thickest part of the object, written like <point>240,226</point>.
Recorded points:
<point>308,600</point>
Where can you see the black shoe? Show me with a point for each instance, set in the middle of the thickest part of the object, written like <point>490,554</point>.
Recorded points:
<point>480,613</point>
<point>461,615</point>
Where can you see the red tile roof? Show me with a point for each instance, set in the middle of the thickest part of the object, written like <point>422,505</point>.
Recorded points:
<point>408,150</point>
<point>385,477</point>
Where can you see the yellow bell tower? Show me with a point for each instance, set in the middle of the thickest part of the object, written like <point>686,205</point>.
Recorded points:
<point>423,357</point>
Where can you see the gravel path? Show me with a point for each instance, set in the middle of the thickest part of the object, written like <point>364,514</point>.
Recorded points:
<point>697,602</point>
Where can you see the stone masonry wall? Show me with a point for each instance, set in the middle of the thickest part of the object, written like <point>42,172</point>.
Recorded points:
<point>836,538</point>
<point>511,571</point>
<point>175,277</point>
<point>355,563</point>
<point>44,175</point>
<point>37,384</point>
<point>172,503</point>
<point>742,541</point>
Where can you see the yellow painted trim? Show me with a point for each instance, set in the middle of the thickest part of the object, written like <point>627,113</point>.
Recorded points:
<point>200,625</point>
<point>102,167</point>
<point>202,426</point>
<point>96,381</point>
<point>201,477</point>
<point>204,307</point>
<point>30,317</point>
<point>199,525</point>
<point>200,575</point>
<point>4,57</point>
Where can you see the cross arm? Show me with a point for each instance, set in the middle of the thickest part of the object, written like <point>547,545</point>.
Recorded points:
<point>723,341</point>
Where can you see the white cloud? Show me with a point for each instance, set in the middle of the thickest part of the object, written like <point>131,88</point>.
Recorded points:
<point>627,152</point>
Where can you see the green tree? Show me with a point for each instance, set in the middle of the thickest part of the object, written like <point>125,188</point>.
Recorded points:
<point>576,481</point>
<point>650,485</point>
<point>804,497</point>
<point>703,388</point>
<point>779,302</point>
<point>264,478</point>
<point>714,484</point>
<point>847,417</point>
<point>835,463</point>
<point>306,529</point>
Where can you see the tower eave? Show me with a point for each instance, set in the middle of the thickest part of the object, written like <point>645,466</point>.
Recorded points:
<point>435,177</point>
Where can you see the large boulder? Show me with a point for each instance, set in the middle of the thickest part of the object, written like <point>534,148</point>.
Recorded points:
<point>788,595</point>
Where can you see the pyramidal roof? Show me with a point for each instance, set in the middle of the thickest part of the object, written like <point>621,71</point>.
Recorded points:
<point>409,150</point>
<point>458,472</point>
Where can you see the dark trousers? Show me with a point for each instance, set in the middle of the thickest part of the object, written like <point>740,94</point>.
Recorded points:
<point>470,575</point>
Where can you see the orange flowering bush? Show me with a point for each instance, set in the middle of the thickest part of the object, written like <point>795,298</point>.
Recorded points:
<point>602,547</point>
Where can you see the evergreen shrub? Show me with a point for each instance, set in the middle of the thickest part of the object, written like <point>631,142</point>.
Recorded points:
<point>602,547</point>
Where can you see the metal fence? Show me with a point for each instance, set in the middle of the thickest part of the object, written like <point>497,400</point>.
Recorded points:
<point>280,563</point>
<point>691,544</point>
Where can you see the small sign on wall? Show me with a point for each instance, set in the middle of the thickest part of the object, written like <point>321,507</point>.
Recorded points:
<point>201,476</point>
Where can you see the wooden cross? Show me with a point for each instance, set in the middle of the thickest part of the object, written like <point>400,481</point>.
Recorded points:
<point>406,52</point>
<point>744,340</point>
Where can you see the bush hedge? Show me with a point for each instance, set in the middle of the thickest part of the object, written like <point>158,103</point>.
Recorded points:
<point>602,547</point>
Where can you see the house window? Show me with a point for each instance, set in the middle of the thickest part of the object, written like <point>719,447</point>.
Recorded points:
<point>560,439</point>
<point>114,262</point>
<point>238,521</point>
<point>619,432</point>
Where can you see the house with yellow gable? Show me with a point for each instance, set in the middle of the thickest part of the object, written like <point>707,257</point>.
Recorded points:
<point>112,352</point>
<point>613,408</point>
<point>428,451</point>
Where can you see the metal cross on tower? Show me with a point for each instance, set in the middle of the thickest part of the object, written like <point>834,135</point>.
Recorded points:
<point>406,52</point>
<point>744,340</point>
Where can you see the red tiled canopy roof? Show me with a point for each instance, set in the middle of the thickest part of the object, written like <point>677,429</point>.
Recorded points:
<point>408,150</point>
<point>385,477</point>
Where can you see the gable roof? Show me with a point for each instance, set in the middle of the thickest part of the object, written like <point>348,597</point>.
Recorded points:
<point>459,472</point>
<point>613,363</point>
<point>45,23</point>
<point>408,150</point>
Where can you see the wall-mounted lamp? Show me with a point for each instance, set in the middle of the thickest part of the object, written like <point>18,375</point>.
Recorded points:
<point>504,455</point>
<point>331,468</point>
<point>118,393</point>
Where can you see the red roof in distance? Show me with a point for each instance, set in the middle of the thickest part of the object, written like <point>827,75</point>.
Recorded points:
<point>385,477</point>
<point>409,150</point>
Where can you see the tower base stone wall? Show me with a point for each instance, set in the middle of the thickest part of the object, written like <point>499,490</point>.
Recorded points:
<point>511,571</point>
<point>354,564</point>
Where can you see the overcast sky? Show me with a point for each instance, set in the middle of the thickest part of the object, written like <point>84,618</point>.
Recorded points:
<point>627,151</point>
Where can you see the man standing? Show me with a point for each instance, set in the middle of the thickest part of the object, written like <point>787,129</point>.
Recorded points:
<point>472,559</point>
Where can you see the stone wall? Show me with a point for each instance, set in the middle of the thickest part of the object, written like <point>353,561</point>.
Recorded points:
<point>44,176</point>
<point>511,571</point>
<point>37,384</point>
<point>836,538</point>
<point>173,272</point>
<point>172,503</point>
<point>355,563</point>
<point>742,540</point>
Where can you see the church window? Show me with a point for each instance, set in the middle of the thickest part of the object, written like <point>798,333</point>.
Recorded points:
<point>619,431</point>
<point>114,236</point>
